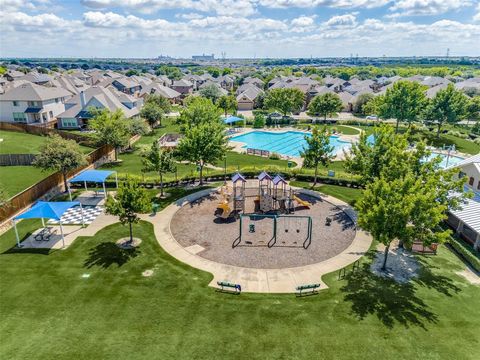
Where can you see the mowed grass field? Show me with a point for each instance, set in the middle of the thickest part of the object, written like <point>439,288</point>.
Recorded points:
<point>91,301</point>
<point>23,143</point>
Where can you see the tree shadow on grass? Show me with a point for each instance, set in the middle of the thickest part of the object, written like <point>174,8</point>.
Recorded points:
<point>391,302</point>
<point>106,254</point>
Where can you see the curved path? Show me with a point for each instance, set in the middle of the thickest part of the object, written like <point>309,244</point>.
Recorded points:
<point>258,280</point>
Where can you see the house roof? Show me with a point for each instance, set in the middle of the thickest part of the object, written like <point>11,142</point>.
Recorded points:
<point>182,82</point>
<point>251,93</point>
<point>33,92</point>
<point>104,96</point>
<point>475,159</point>
<point>469,214</point>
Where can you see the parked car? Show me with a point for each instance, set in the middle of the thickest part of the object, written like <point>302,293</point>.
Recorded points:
<point>372,117</point>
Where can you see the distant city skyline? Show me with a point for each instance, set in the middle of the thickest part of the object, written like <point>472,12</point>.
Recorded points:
<point>239,28</point>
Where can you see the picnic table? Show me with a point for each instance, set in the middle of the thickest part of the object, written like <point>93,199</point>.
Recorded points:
<point>45,234</point>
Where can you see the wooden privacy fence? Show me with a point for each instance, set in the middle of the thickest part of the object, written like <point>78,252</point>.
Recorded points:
<point>36,191</point>
<point>42,130</point>
<point>16,159</point>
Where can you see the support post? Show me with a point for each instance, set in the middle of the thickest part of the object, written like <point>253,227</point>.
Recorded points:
<point>61,232</point>
<point>43,222</point>
<point>69,191</point>
<point>81,212</point>
<point>85,184</point>
<point>116,180</point>
<point>16,233</point>
<point>104,190</point>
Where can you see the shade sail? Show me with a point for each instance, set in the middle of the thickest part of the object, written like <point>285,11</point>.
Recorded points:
<point>232,119</point>
<point>97,176</point>
<point>47,210</point>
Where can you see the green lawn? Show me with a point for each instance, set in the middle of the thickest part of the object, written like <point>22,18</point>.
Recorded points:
<point>23,143</point>
<point>91,301</point>
<point>349,195</point>
<point>15,179</point>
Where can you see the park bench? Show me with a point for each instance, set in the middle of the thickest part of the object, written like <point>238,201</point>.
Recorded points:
<point>226,286</point>
<point>310,288</point>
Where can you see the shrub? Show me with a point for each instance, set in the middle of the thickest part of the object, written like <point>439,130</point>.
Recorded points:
<point>274,156</point>
<point>458,134</point>
<point>477,141</point>
<point>476,128</point>
<point>465,252</point>
<point>259,121</point>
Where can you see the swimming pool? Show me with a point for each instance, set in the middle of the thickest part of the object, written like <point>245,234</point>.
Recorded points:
<point>452,160</point>
<point>289,143</point>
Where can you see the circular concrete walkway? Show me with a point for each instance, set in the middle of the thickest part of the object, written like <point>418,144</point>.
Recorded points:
<point>258,280</point>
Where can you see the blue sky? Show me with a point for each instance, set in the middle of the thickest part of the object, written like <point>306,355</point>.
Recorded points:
<point>241,28</point>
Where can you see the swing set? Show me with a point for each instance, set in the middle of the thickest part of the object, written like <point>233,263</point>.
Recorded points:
<point>280,227</point>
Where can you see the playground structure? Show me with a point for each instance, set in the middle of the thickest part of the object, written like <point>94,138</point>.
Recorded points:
<point>274,230</point>
<point>272,196</point>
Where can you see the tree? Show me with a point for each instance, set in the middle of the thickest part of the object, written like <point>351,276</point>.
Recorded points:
<point>473,109</point>
<point>286,100</point>
<point>111,128</point>
<point>325,104</point>
<point>368,160</point>
<point>60,154</point>
<point>172,72</point>
<point>404,101</point>
<point>448,106</point>
<point>137,126</point>
<point>129,200</point>
<point>162,102</point>
<point>374,106</point>
<point>259,121</point>
<point>203,144</point>
<point>158,160</point>
<point>211,91</point>
<point>362,100</point>
<point>198,110</point>
<point>131,72</point>
<point>152,113</point>
<point>318,150</point>
<point>227,102</point>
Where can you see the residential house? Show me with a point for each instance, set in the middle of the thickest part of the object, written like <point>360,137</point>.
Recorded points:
<point>466,220</point>
<point>77,114</point>
<point>160,89</point>
<point>32,104</point>
<point>126,85</point>
<point>248,99</point>
<point>183,86</point>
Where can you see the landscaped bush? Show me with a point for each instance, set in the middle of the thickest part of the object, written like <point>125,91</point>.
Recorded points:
<point>465,252</point>
<point>458,134</point>
<point>274,156</point>
<point>477,141</point>
<point>476,128</point>
<point>329,180</point>
<point>259,121</point>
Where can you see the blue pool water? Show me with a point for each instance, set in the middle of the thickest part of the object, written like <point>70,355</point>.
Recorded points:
<point>452,160</point>
<point>289,143</point>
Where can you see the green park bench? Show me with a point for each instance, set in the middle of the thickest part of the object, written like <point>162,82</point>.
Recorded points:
<point>155,208</point>
<point>309,287</point>
<point>226,286</point>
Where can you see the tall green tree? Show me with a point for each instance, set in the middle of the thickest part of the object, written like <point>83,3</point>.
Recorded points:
<point>110,128</point>
<point>374,106</point>
<point>159,161</point>
<point>212,92</point>
<point>473,109</point>
<point>448,106</point>
<point>318,150</point>
<point>198,110</point>
<point>226,103</point>
<point>130,199</point>
<point>203,144</point>
<point>285,101</point>
<point>368,160</point>
<point>152,113</point>
<point>60,154</point>
<point>325,104</point>
<point>404,101</point>
<point>362,100</point>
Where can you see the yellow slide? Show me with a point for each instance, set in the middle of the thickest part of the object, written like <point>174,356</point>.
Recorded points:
<point>225,210</point>
<point>301,202</point>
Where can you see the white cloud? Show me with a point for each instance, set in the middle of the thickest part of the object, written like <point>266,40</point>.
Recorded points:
<point>426,7</point>
<point>221,7</point>
<point>303,21</point>
<point>476,17</point>
<point>327,3</point>
<point>342,20</point>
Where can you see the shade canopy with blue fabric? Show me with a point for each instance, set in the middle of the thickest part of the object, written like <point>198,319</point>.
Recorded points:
<point>97,176</point>
<point>47,210</point>
<point>232,119</point>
